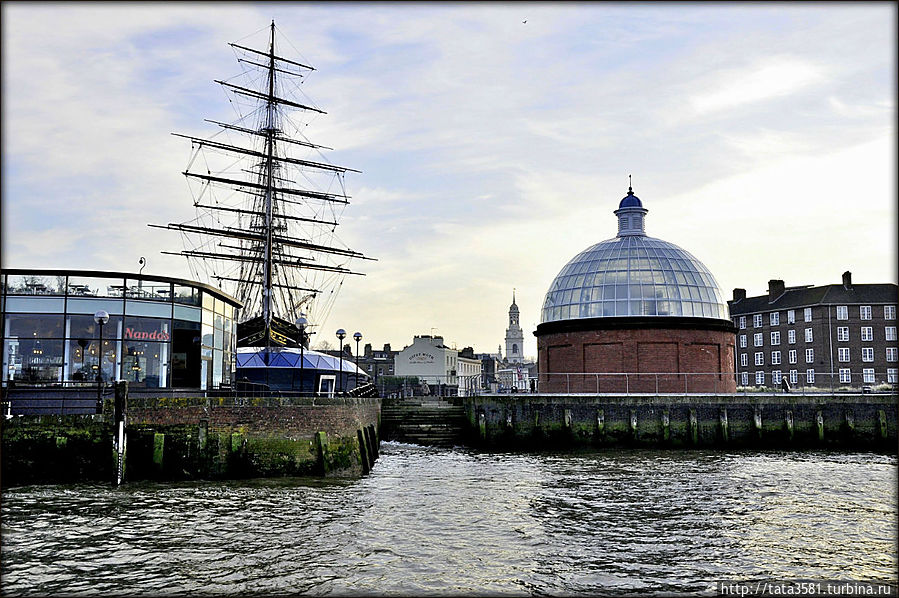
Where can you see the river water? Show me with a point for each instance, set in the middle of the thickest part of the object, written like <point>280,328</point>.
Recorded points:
<point>455,521</point>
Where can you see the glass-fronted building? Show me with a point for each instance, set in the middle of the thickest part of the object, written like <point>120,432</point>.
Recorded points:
<point>162,332</point>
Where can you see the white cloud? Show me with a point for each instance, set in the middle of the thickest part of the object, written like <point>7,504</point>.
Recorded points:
<point>492,151</point>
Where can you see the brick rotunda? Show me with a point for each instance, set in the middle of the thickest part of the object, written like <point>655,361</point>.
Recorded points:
<point>635,314</point>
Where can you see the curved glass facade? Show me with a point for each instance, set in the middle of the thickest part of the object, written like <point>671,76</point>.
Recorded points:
<point>162,332</point>
<point>633,275</point>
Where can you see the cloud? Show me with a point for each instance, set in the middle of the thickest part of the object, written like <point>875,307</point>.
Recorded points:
<point>492,151</point>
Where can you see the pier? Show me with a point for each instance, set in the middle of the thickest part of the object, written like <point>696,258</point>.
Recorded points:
<point>759,420</point>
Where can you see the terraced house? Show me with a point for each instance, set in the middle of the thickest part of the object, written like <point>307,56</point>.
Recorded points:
<point>838,335</point>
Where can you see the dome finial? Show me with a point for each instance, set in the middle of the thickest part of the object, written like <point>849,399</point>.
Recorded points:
<point>630,188</point>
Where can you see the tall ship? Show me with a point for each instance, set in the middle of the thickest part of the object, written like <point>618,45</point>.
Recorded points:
<point>267,206</point>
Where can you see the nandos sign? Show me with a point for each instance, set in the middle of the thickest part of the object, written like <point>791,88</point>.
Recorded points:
<point>142,335</point>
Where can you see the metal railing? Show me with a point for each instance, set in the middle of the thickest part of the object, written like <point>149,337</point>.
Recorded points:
<point>704,382</point>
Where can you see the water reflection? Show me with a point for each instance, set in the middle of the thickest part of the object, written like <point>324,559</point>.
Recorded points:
<point>429,521</point>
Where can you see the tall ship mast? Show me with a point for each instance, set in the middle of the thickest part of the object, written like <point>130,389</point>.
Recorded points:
<point>267,203</point>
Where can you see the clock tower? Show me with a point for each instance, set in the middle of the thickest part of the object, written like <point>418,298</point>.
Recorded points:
<point>514,335</point>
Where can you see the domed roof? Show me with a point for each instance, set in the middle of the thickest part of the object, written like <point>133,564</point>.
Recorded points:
<point>630,200</point>
<point>633,275</point>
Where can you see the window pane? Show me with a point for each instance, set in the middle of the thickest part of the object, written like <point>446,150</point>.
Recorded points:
<point>35,304</point>
<point>96,287</point>
<point>34,326</point>
<point>92,306</point>
<point>148,308</point>
<point>36,285</point>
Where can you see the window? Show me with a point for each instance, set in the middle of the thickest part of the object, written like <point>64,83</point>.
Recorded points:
<point>791,336</point>
<point>775,377</point>
<point>808,335</point>
<point>890,332</point>
<point>889,312</point>
<point>868,375</point>
<point>891,353</point>
<point>742,322</point>
<point>809,376</point>
<point>842,312</point>
<point>759,358</point>
<point>744,359</point>
<point>809,356</point>
<point>775,357</point>
<point>742,341</point>
<point>760,378</point>
<point>892,375</point>
<point>757,321</point>
<point>843,334</point>
<point>867,333</point>
<point>774,317</point>
<point>807,314</point>
<point>843,354</point>
<point>868,354</point>
<point>744,378</point>
<point>845,375</point>
<point>864,312</point>
<point>792,355</point>
<point>775,338</point>
<point>794,377</point>
<point>757,339</point>
<point>791,316</point>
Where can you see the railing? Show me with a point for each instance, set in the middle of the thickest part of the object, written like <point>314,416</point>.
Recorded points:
<point>703,382</point>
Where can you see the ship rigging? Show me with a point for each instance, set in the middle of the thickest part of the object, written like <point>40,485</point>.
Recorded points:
<point>267,205</point>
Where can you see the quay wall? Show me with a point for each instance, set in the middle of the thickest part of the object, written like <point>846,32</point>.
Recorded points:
<point>172,438</point>
<point>787,421</point>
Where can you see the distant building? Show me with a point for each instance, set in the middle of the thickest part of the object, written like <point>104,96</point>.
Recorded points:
<point>378,362</point>
<point>439,366</point>
<point>838,334</point>
<point>514,335</point>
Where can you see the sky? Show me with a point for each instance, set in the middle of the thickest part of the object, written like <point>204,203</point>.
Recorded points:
<point>494,140</point>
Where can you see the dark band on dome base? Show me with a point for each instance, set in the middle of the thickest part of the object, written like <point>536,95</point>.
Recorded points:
<point>633,323</point>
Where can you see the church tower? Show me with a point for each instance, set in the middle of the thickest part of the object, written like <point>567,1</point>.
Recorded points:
<point>514,336</point>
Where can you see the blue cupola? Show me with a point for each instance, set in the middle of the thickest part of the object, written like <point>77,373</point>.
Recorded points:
<point>631,214</point>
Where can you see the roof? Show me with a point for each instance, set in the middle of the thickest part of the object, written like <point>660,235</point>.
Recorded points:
<point>131,275</point>
<point>630,200</point>
<point>833,294</point>
<point>633,276</point>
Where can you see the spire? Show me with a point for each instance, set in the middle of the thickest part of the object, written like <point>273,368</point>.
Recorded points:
<point>630,187</point>
<point>513,295</point>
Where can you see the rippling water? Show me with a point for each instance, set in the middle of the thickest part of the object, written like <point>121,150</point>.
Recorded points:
<point>454,521</point>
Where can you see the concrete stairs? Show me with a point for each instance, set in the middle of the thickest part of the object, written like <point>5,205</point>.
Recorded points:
<point>423,420</point>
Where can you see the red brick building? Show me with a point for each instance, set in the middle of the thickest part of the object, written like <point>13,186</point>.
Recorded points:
<point>635,314</point>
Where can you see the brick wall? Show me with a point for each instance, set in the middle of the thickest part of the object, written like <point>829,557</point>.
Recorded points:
<point>647,351</point>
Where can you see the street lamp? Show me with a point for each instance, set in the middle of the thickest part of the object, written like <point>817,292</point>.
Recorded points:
<point>341,334</point>
<point>101,317</point>
<point>358,337</point>
<point>301,324</point>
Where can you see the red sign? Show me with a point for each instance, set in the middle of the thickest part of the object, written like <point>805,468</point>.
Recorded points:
<point>131,334</point>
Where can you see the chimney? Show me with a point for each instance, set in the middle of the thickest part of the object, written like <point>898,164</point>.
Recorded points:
<point>776,288</point>
<point>739,295</point>
<point>368,350</point>
<point>387,347</point>
<point>847,280</point>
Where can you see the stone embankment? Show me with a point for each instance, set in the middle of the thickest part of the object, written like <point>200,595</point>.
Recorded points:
<point>785,421</point>
<point>170,438</point>
<point>423,420</point>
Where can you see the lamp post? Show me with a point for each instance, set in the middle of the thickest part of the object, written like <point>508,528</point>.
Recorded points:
<point>101,317</point>
<point>358,337</point>
<point>301,324</point>
<point>341,334</point>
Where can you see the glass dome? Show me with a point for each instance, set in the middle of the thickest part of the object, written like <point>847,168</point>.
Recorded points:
<point>633,275</point>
